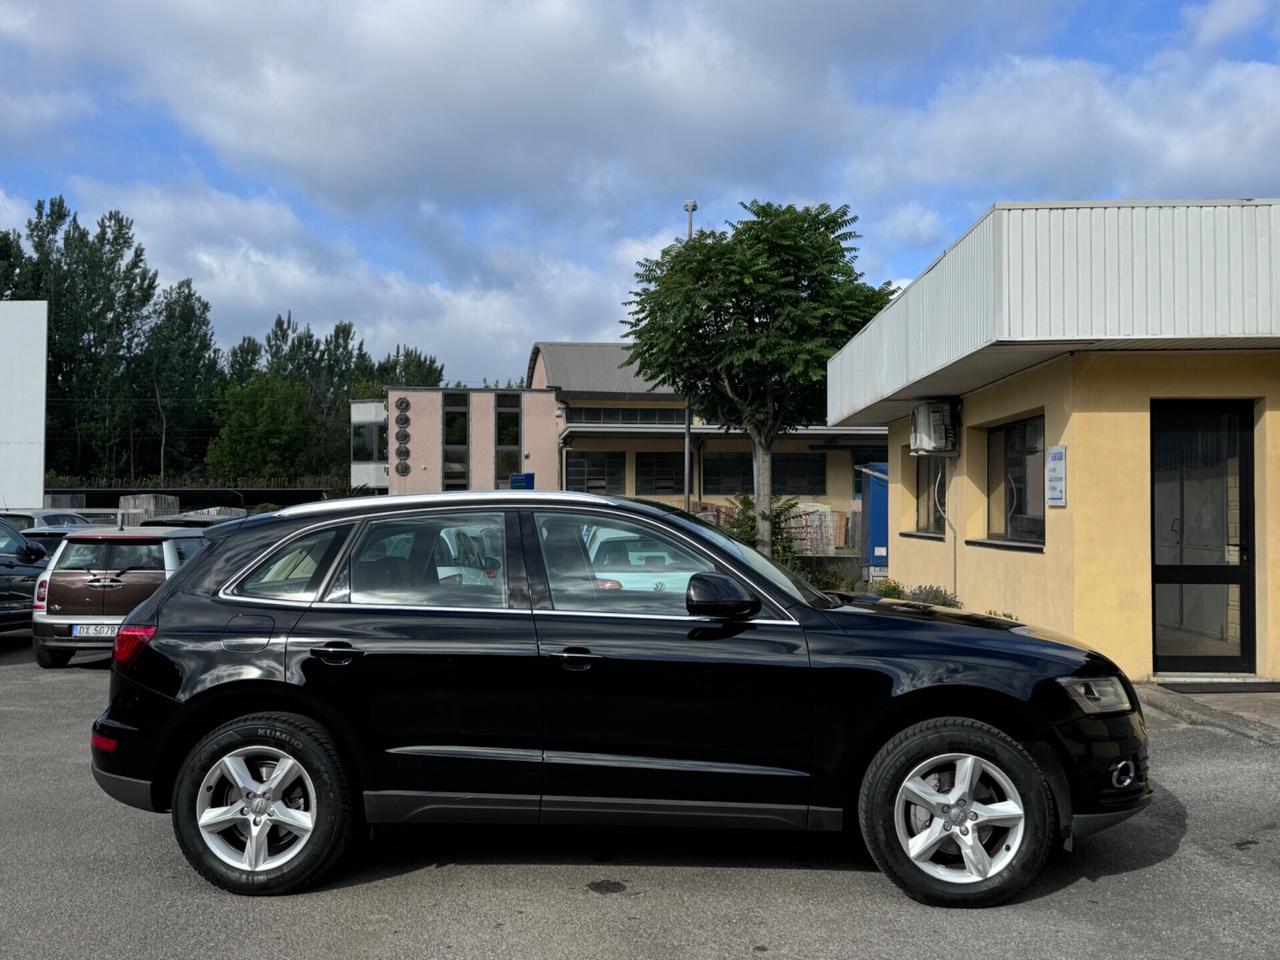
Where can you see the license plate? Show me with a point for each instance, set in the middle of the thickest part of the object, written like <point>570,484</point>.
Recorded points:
<point>93,630</point>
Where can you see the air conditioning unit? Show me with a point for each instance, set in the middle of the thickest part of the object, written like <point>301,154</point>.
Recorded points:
<point>935,429</point>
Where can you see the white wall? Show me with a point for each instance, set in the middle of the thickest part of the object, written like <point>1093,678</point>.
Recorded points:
<point>24,332</point>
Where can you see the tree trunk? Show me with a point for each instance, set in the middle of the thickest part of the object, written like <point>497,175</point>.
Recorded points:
<point>764,487</point>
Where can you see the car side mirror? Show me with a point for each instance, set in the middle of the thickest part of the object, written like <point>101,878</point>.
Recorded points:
<point>720,597</point>
<point>33,552</point>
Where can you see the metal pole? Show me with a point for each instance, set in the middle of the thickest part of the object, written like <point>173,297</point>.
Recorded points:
<point>689,207</point>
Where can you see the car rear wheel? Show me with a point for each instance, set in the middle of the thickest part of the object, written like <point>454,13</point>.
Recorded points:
<point>956,813</point>
<point>50,659</point>
<point>263,805</point>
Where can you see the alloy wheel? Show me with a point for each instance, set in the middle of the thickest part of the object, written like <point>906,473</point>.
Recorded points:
<point>256,808</point>
<point>959,818</point>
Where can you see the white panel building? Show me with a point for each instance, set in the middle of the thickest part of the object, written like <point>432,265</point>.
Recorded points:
<point>24,337</point>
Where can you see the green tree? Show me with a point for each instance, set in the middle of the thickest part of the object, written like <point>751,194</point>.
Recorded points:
<point>741,322</point>
<point>179,366</point>
<point>265,428</point>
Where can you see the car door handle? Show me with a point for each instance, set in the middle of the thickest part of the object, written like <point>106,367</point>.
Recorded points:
<point>576,658</point>
<point>336,653</point>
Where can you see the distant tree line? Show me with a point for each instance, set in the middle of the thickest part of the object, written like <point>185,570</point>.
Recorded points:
<point>138,389</point>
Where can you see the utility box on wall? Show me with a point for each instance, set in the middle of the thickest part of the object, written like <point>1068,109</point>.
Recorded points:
<point>24,331</point>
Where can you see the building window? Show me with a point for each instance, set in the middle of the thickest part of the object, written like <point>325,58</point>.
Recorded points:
<point>800,474</point>
<point>649,415</point>
<point>506,439</point>
<point>727,473</point>
<point>596,472</point>
<point>1015,481</point>
<point>931,494</point>
<point>864,457</point>
<point>457,437</point>
<point>659,472</point>
<point>369,442</point>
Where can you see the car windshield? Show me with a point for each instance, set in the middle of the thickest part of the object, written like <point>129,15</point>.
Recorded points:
<point>785,580</point>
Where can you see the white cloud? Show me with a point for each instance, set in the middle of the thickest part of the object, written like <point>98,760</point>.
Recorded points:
<point>913,224</point>
<point>1047,127</point>
<point>1219,20</point>
<point>13,212</point>
<point>253,258</point>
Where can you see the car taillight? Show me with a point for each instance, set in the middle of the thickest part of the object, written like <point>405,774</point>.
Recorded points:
<point>602,584</point>
<point>129,641</point>
<point>106,744</point>
<point>42,594</point>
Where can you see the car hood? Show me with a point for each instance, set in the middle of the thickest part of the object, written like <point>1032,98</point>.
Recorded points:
<point>969,634</point>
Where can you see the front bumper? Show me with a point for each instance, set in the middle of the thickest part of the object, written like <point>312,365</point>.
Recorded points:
<point>1087,824</point>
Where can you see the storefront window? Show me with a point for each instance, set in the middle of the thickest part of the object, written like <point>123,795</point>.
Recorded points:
<point>931,494</point>
<point>727,473</point>
<point>596,472</point>
<point>1015,481</point>
<point>800,474</point>
<point>659,472</point>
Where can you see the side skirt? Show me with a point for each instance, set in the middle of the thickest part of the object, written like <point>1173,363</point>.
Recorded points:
<point>393,806</point>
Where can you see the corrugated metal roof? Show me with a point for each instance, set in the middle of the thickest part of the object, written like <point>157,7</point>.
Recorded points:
<point>1053,277</point>
<point>584,368</point>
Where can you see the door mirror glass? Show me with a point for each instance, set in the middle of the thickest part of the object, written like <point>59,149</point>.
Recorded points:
<point>719,596</point>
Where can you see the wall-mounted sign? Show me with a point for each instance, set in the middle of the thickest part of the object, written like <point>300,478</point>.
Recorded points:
<point>521,481</point>
<point>1055,477</point>
<point>402,404</point>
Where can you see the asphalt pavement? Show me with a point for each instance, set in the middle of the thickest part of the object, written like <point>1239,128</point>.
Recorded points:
<point>1196,875</point>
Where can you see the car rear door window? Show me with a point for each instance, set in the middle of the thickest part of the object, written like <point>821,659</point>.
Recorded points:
<point>296,570</point>
<point>603,564</point>
<point>430,560</point>
<point>83,555</point>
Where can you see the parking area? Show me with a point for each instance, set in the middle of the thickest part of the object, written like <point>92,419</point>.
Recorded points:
<point>1197,875</point>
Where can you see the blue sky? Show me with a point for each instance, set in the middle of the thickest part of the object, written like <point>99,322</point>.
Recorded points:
<point>470,177</point>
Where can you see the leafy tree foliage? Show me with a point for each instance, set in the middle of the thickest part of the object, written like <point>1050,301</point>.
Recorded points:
<point>742,321</point>
<point>137,387</point>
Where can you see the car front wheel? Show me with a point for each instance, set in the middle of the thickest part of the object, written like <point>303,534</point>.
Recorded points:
<point>263,805</point>
<point>956,813</point>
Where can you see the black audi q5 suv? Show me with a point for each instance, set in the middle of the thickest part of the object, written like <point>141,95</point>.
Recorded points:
<point>569,658</point>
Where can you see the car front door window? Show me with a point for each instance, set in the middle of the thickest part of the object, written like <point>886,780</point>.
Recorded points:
<point>598,564</point>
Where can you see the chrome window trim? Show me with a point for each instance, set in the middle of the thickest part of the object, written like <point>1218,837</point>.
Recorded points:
<point>375,607</point>
<point>718,561</point>
<point>678,618</point>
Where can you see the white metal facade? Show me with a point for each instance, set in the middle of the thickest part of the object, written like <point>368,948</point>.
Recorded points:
<point>1031,281</point>
<point>24,332</point>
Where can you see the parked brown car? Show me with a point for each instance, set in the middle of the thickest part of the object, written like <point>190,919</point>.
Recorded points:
<point>96,576</point>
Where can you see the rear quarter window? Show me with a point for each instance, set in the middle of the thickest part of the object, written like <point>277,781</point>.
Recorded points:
<point>188,547</point>
<point>295,570</point>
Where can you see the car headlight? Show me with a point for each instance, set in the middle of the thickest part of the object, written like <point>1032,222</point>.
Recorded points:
<point>1097,694</point>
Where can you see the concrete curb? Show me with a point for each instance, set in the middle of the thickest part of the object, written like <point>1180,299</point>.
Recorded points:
<point>1189,710</point>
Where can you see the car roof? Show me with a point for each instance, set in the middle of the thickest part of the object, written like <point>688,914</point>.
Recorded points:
<point>132,533</point>
<point>53,531</point>
<point>460,497</point>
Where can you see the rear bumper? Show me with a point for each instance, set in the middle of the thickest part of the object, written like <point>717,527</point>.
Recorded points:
<point>57,635</point>
<point>136,793</point>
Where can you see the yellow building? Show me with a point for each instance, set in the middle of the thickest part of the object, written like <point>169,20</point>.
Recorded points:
<point>1100,387</point>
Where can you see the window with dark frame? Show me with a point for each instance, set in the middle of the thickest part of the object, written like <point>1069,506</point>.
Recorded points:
<point>931,495</point>
<point>368,442</point>
<point>727,473</point>
<point>506,439</point>
<point>592,472</point>
<point>800,474</point>
<point>659,472</point>
<point>1015,481</point>
<point>457,438</point>
<point>628,415</point>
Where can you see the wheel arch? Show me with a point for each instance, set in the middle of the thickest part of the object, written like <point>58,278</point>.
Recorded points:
<point>1001,710</point>
<point>209,710</point>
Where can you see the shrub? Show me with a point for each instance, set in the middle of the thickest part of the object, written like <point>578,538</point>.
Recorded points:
<point>938,596</point>
<point>889,588</point>
<point>1006,615</point>
<point>742,526</point>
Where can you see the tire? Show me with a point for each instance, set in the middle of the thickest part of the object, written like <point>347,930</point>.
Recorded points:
<point>50,659</point>
<point>291,832</point>
<point>974,847</point>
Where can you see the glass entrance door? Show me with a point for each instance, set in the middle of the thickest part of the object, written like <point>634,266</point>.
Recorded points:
<point>1202,535</point>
